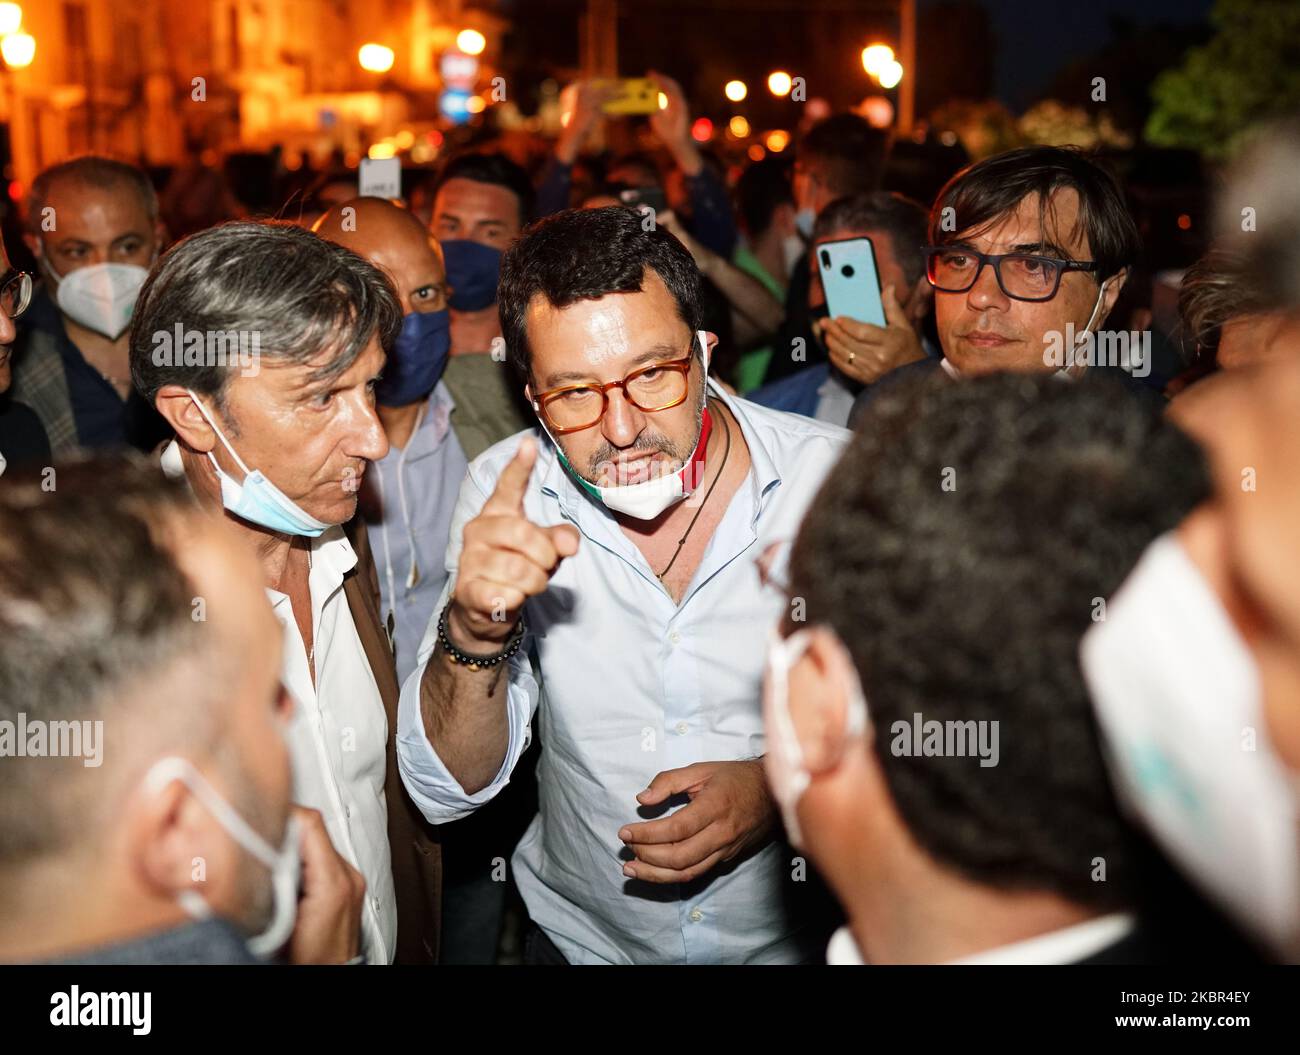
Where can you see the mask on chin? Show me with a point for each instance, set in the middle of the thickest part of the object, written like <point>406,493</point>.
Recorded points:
<point>256,499</point>
<point>1179,702</point>
<point>646,500</point>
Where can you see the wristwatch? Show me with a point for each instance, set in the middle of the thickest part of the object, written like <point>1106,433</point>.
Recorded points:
<point>478,662</point>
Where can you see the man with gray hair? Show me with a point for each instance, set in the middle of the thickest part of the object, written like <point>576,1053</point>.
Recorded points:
<point>261,345</point>
<point>144,776</point>
<point>94,227</point>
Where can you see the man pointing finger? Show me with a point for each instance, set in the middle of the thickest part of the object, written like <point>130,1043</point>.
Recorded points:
<point>602,575</point>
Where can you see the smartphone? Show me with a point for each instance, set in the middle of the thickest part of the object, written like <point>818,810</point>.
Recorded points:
<point>380,178</point>
<point>635,197</point>
<point>850,280</point>
<point>634,95</point>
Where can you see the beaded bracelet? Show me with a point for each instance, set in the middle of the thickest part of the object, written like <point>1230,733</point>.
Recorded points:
<point>477,662</point>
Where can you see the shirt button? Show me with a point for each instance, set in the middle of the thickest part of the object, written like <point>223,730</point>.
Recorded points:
<point>696,915</point>
<point>681,728</point>
<point>674,636</point>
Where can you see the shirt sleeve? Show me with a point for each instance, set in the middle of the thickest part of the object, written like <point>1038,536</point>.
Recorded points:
<point>434,790</point>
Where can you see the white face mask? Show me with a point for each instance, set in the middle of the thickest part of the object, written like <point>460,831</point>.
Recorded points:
<point>285,864</point>
<point>648,499</point>
<point>1178,699</point>
<point>100,297</point>
<point>803,220</point>
<point>787,772</point>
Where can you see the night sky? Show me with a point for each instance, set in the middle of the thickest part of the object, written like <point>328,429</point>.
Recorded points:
<point>1036,37</point>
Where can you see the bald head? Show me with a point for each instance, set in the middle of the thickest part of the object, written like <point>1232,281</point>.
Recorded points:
<point>393,239</point>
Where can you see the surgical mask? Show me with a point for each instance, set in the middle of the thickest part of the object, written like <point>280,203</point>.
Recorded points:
<point>787,771</point>
<point>803,220</point>
<point>418,359</point>
<point>100,297</point>
<point>1179,703</point>
<point>646,500</point>
<point>472,272</point>
<point>257,500</point>
<point>285,864</point>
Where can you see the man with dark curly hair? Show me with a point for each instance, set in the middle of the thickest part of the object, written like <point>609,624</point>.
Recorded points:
<point>931,741</point>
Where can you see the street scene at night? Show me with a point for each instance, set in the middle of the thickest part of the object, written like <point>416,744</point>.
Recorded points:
<point>636,482</point>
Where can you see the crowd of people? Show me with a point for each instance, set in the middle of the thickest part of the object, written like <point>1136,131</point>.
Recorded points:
<point>544,536</point>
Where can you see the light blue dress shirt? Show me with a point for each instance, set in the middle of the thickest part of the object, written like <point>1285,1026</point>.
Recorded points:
<point>417,489</point>
<point>625,684</point>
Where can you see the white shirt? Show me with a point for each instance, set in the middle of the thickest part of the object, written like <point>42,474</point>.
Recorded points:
<point>339,732</point>
<point>627,684</point>
<point>1067,945</point>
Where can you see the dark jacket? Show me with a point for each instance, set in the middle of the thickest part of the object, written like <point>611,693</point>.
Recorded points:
<point>413,842</point>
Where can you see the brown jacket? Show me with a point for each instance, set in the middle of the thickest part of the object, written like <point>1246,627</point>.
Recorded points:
<point>413,841</point>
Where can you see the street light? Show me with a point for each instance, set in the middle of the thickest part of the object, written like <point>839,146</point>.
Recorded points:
<point>375,58</point>
<point>736,90</point>
<point>471,41</point>
<point>779,82</point>
<point>891,74</point>
<point>876,57</point>
<point>11,17</point>
<point>18,50</point>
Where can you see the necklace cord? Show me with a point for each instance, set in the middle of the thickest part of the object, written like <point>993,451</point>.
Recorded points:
<point>682,541</point>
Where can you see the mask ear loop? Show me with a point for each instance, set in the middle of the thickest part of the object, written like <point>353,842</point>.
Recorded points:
<point>1095,308</point>
<point>220,435</point>
<point>167,770</point>
<point>786,652</point>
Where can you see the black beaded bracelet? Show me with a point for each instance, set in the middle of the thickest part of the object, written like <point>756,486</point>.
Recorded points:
<point>477,662</point>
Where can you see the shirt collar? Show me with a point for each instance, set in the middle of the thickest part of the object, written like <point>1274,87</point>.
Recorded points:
<point>843,951</point>
<point>556,481</point>
<point>1068,945</point>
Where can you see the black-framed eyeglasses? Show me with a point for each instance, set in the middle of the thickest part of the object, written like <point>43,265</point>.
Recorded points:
<point>15,292</point>
<point>1021,276</point>
<point>652,388</point>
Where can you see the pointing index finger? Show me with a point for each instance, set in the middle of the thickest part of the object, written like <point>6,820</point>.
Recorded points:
<point>508,496</point>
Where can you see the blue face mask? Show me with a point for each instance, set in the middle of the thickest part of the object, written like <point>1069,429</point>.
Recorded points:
<point>472,273</point>
<point>257,500</point>
<point>417,360</point>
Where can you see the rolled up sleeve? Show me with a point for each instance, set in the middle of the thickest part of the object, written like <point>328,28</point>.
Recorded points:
<point>434,790</point>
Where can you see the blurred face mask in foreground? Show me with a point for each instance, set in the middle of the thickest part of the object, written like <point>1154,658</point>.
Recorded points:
<point>1179,702</point>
